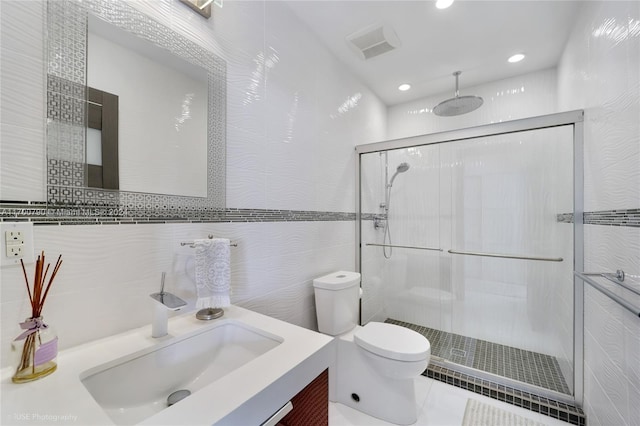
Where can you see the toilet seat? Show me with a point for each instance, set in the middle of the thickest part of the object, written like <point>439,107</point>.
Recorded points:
<point>393,342</point>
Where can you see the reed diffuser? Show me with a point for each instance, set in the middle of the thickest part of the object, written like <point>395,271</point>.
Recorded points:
<point>36,348</point>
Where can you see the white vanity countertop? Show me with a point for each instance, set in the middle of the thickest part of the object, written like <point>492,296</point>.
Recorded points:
<point>247,395</point>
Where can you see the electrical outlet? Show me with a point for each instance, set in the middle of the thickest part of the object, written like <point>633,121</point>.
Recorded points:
<point>14,237</point>
<point>15,250</point>
<point>17,244</point>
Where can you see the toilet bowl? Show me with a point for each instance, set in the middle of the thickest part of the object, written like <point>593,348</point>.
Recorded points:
<point>396,352</point>
<point>376,364</point>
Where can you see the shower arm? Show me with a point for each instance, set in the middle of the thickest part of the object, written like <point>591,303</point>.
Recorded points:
<point>457,74</point>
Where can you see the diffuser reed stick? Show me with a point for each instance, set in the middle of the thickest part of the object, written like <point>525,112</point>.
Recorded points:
<point>38,344</point>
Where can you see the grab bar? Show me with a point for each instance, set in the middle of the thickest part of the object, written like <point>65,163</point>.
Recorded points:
<point>409,247</point>
<point>507,256</point>
<point>616,278</point>
<point>585,277</point>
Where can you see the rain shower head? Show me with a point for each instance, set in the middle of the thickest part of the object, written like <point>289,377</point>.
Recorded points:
<point>402,167</point>
<point>458,105</point>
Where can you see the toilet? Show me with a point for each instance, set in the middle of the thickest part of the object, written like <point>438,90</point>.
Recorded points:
<point>375,364</point>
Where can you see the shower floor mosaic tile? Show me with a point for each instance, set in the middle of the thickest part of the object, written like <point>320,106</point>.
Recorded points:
<point>521,365</point>
<point>530,367</point>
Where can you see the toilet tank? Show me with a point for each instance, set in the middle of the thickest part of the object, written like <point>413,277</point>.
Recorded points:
<point>337,295</point>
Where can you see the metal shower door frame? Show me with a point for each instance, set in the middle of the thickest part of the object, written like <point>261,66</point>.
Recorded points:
<point>570,118</point>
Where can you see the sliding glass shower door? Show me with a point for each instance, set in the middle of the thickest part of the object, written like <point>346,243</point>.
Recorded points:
<point>470,242</point>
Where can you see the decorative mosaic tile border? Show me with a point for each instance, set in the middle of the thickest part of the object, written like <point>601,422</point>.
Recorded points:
<point>628,217</point>
<point>41,214</point>
<point>625,217</point>
<point>152,209</point>
<point>558,410</point>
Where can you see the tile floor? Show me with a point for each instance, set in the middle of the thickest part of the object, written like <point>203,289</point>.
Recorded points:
<point>514,363</point>
<point>439,404</point>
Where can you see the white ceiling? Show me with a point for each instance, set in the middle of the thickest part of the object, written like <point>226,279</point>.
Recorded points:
<point>474,36</point>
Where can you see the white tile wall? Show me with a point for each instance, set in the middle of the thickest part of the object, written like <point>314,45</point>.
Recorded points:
<point>612,334</point>
<point>109,271</point>
<point>600,72</point>
<point>294,115</point>
<point>22,88</point>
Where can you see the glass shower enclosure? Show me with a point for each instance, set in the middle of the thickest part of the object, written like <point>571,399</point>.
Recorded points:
<point>469,238</point>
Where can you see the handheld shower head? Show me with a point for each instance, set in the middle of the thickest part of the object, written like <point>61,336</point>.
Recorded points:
<point>402,167</point>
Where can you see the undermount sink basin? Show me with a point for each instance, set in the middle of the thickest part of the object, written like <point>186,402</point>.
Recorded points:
<point>137,386</point>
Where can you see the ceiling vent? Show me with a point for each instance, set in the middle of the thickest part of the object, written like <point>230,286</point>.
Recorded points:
<point>373,41</point>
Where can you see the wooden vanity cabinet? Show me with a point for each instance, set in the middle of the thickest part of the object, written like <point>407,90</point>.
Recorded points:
<point>310,405</point>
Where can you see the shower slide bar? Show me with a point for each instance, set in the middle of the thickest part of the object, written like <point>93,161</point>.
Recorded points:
<point>506,256</point>
<point>616,278</point>
<point>408,247</point>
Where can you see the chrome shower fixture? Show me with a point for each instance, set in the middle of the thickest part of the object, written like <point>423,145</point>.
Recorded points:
<point>402,167</point>
<point>458,105</point>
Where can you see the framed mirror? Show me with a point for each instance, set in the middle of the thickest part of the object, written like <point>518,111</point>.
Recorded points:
<point>171,132</point>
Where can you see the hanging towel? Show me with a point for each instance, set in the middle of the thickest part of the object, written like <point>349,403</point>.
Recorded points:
<point>213,273</point>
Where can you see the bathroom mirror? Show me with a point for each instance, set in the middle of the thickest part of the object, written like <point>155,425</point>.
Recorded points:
<point>171,96</point>
<point>162,113</point>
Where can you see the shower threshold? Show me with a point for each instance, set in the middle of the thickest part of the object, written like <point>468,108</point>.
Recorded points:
<point>533,369</point>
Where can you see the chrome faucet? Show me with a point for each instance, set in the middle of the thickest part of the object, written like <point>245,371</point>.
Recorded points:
<point>165,302</point>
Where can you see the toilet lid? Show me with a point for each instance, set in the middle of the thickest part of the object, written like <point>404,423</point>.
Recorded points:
<point>393,341</point>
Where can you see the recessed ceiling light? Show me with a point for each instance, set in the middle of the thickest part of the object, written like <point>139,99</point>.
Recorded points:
<point>404,87</point>
<point>443,4</point>
<point>516,58</point>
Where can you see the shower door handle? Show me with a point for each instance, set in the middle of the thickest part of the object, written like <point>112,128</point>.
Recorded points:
<point>407,247</point>
<point>507,256</point>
